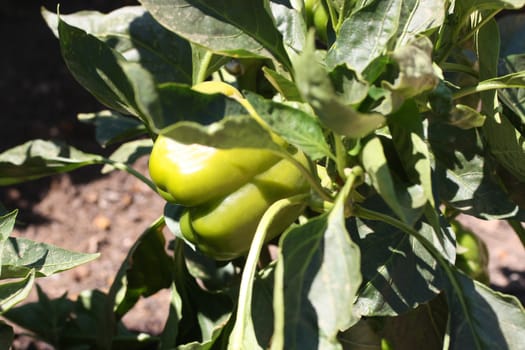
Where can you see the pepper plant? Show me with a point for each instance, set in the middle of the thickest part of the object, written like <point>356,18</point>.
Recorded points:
<point>313,186</point>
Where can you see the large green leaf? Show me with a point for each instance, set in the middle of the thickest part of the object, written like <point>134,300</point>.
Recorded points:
<point>21,255</point>
<point>231,132</point>
<point>399,272</point>
<point>38,158</point>
<point>97,67</point>
<point>317,276</point>
<point>134,33</point>
<point>366,35</point>
<point>463,178</point>
<point>297,127</point>
<point>485,319</point>
<point>234,27</point>
<point>145,271</point>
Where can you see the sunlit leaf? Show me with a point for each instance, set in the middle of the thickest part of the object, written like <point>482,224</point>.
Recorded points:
<point>318,273</point>
<point>294,125</point>
<point>22,255</point>
<point>38,158</point>
<point>135,34</point>
<point>365,35</point>
<point>317,89</point>
<point>234,28</point>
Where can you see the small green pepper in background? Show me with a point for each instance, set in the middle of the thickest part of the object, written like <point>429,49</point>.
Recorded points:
<point>226,191</point>
<point>472,253</point>
<point>317,17</point>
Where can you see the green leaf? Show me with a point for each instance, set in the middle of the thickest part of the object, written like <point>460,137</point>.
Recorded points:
<point>46,318</point>
<point>38,158</point>
<point>98,68</point>
<point>463,178</point>
<point>468,6</point>
<point>205,314</point>
<point>7,336</point>
<point>84,323</point>
<point>21,255</point>
<point>432,317</point>
<point>262,306</point>
<point>11,293</point>
<point>350,89</point>
<point>112,127</point>
<point>493,320</point>
<point>506,144</point>
<point>409,140</point>
<point>416,71</point>
<point>294,125</point>
<point>317,89</point>
<point>406,201</point>
<point>233,28</point>
<point>181,103</point>
<point>420,16</point>
<point>399,273</point>
<point>145,271</point>
<point>290,23</point>
<point>317,277</point>
<point>135,34</point>
<point>129,152</point>
<point>282,84</point>
<point>7,224</point>
<point>365,35</point>
<point>232,132</point>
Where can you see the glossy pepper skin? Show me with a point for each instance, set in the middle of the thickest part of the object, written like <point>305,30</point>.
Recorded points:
<point>224,228</point>
<point>226,191</point>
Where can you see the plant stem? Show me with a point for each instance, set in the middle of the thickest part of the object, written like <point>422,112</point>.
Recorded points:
<point>203,68</point>
<point>243,323</point>
<point>340,154</point>
<point>316,186</point>
<point>132,171</point>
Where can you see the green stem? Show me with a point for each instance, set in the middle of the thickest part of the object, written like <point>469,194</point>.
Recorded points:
<point>340,153</point>
<point>316,186</point>
<point>447,267</point>
<point>243,324</point>
<point>132,171</point>
<point>203,69</point>
<point>484,86</point>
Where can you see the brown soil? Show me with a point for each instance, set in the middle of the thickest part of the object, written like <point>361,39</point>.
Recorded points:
<point>86,211</point>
